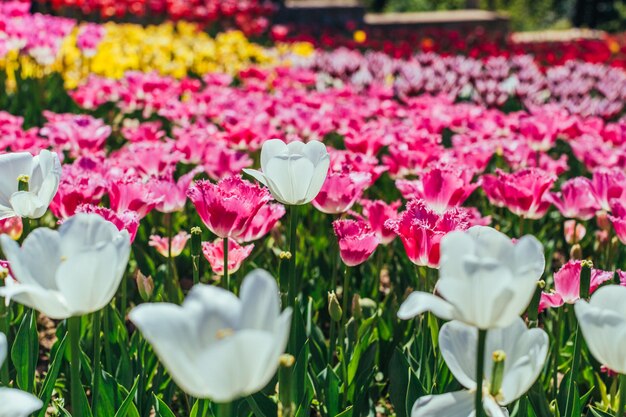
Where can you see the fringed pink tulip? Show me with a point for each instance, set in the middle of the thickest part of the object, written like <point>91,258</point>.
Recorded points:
<point>576,200</point>
<point>81,183</point>
<point>420,228</point>
<point>173,194</point>
<point>131,193</point>
<point>608,184</point>
<point>161,244</point>
<point>214,253</point>
<point>618,219</point>
<point>567,285</point>
<point>127,220</point>
<point>340,191</point>
<point>440,188</point>
<point>228,207</point>
<point>522,192</point>
<point>376,213</point>
<point>263,222</point>
<point>12,226</point>
<point>357,241</point>
<point>574,231</point>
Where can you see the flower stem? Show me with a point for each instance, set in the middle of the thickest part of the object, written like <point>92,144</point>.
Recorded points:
<point>5,313</point>
<point>622,396</point>
<point>226,278</point>
<point>170,276</point>
<point>480,369</point>
<point>293,237</point>
<point>97,366</point>
<point>224,409</point>
<point>73,326</point>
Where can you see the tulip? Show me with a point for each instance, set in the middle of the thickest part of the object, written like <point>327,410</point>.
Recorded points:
<point>161,244</point>
<point>576,199</point>
<point>608,184</point>
<point>485,280</point>
<point>263,222</point>
<point>618,219</point>
<point>574,232</point>
<point>40,176</point>
<point>357,241</point>
<point>513,359</point>
<point>127,220</point>
<point>293,172</point>
<point>377,212</point>
<point>214,253</point>
<point>215,345</point>
<point>13,402</point>
<point>340,191</point>
<point>567,285</point>
<point>70,272</point>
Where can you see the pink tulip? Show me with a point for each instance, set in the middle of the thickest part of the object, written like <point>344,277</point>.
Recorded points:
<point>79,134</point>
<point>173,195</point>
<point>608,184</point>
<point>340,191</point>
<point>228,207</point>
<point>263,222</point>
<point>576,199</point>
<point>81,183</point>
<point>12,226</point>
<point>131,193</point>
<point>522,192</point>
<point>574,231</point>
<point>376,213</point>
<point>357,241</point>
<point>567,285</point>
<point>127,220</point>
<point>420,228</point>
<point>214,253</point>
<point>618,219</point>
<point>161,244</point>
<point>440,188</point>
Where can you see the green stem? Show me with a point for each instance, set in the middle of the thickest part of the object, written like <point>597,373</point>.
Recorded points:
<point>292,292</point>
<point>97,365</point>
<point>332,344</point>
<point>284,390</point>
<point>25,228</point>
<point>73,325</point>
<point>480,369</point>
<point>224,409</point>
<point>108,356</point>
<point>226,279</point>
<point>345,296</point>
<point>571,387</point>
<point>170,276</point>
<point>557,343</point>
<point>622,396</point>
<point>5,312</point>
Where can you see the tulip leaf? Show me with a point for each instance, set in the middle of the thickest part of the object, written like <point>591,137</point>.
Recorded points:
<point>399,369</point>
<point>346,413</point>
<point>261,406</point>
<point>595,412</point>
<point>332,392</point>
<point>127,404</point>
<point>104,401</point>
<point>25,352</point>
<point>161,409</point>
<point>53,373</point>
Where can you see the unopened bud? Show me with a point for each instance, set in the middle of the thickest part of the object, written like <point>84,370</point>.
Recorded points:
<point>13,227</point>
<point>334,308</point>
<point>286,360</point>
<point>145,285</point>
<point>22,183</point>
<point>357,311</point>
<point>585,278</point>
<point>576,252</point>
<point>497,373</point>
<point>196,241</point>
<point>603,221</point>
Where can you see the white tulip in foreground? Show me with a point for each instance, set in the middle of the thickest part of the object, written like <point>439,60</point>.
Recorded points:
<point>294,172</point>
<point>13,402</point>
<point>603,323</point>
<point>485,280</point>
<point>216,345</point>
<point>520,353</point>
<point>68,272</point>
<point>41,172</point>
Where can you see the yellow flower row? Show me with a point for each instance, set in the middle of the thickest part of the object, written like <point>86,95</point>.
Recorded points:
<point>174,49</point>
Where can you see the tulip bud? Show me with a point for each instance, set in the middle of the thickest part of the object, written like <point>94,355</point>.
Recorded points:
<point>22,183</point>
<point>585,278</point>
<point>497,373</point>
<point>286,360</point>
<point>357,311</point>
<point>12,226</point>
<point>145,285</point>
<point>576,252</point>
<point>334,308</point>
<point>196,241</point>
<point>602,220</point>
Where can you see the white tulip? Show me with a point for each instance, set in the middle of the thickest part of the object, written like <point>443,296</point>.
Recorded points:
<point>215,345</point>
<point>485,280</point>
<point>524,351</point>
<point>67,272</point>
<point>603,323</point>
<point>43,173</point>
<point>294,172</point>
<point>13,402</point>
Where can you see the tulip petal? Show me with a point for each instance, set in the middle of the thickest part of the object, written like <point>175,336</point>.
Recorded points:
<point>13,165</point>
<point>259,297</point>
<point>454,246</point>
<point>16,403</point>
<point>301,172</point>
<point>529,258</point>
<point>49,302</point>
<point>42,245</point>
<point>315,151</point>
<point>458,343</point>
<point>28,204</point>
<point>257,175</point>
<point>493,409</point>
<point>491,243</point>
<point>85,230</point>
<point>419,302</point>
<point>452,404</point>
<point>3,348</point>
<point>318,178</point>
<point>279,170</point>
<point>270,149</point>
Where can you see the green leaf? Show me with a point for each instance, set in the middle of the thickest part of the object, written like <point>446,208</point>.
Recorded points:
<point>104,400</point>
<point>161,408</point>
<point>261,406</point>
<point>123,411</point>
<point>599,413</point>
<point>332,394</point>
<point>52,375</point>
<point>25,352</point>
